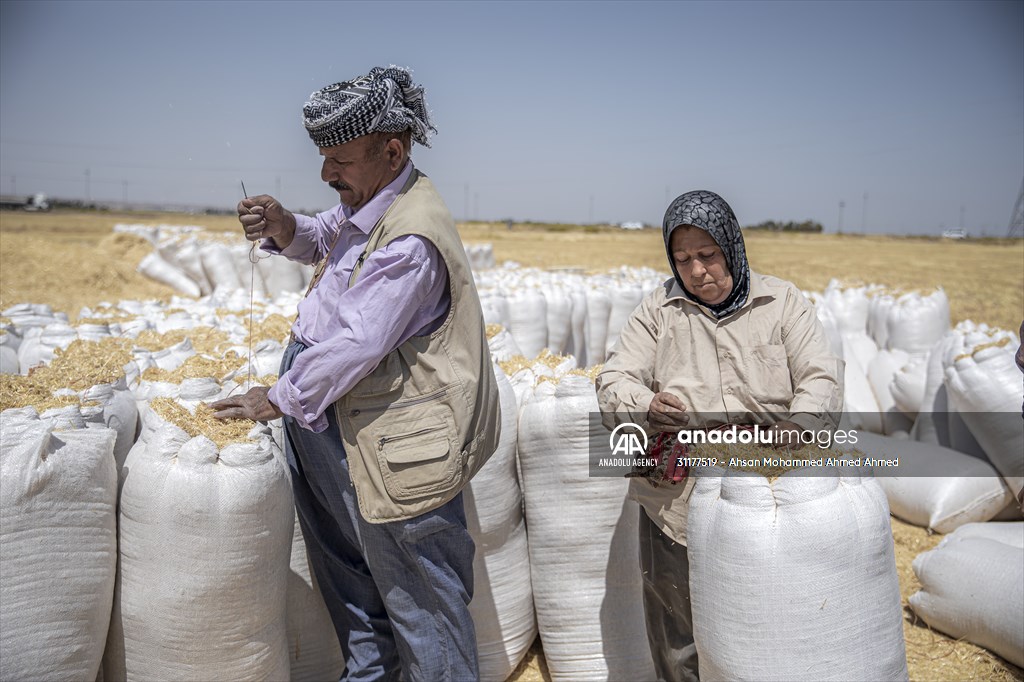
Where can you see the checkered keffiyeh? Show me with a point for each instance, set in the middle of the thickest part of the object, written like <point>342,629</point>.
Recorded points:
<point>385,100</point>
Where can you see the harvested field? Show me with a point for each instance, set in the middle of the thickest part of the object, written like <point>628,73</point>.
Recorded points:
<point>72,259</point>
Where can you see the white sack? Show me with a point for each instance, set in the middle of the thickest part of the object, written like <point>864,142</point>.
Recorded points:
<point>915,323</point>
<point>987,389</point>
<point>528,321</point>
<point>158,269</point>
<point>59,538</point>
<point>964,489</point>
<point>582,534</point>
<point>794,579</point>
<point>502,605</point>
<point>973,588</point>
<point>204,544</point>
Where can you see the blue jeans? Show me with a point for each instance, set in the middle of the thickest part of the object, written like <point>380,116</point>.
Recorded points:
<point>398,593</point>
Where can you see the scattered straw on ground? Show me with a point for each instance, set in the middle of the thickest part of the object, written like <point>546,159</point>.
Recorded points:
<point>493,330</point>
<point>222,432</point>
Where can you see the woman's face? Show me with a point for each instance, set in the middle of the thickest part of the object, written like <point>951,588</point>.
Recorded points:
<point>700,264</point>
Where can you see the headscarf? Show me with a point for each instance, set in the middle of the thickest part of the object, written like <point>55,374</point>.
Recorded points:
<point>709,212</point>
<point>385,100</point>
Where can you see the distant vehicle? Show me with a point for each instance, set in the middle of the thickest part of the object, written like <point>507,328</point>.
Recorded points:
<point>36,202</point>
<point>632,225</point>
<point>956,233</point>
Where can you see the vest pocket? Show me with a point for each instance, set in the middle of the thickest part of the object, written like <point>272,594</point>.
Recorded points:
<point>418,455</point>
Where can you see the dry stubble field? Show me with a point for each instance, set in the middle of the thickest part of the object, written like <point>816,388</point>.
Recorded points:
<point>72,259</point>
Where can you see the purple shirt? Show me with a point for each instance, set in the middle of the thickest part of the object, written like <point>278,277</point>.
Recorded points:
<point>402,290</point>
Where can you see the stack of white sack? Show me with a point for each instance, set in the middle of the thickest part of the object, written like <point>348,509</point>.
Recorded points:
<point>972,587</point>
<point>59,537</point>
<point>775,567</point>
<point>197,262</point>
<point>582,534</point>
<point>502,605</point>
<point>564,312</point>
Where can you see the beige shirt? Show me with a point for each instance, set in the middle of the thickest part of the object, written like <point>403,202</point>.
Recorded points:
<point>768,361</point>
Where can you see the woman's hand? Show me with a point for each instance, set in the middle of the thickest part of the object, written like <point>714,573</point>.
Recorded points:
<point>667,413</point>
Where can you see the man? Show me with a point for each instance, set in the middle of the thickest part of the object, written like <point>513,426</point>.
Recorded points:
<point>386,389</point>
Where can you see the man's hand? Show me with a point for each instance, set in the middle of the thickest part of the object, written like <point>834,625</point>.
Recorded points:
<point>786,434</point>
<point>667,413</point>
<point>253,405</point>
<point>263,217</point>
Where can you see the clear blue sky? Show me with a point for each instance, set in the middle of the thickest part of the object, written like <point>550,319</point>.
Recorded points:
<point>575,111</point>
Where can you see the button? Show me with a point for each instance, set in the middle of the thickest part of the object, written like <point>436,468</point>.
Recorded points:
<point>354,413</point>
<point>729,390</point>
<point>736,418</point>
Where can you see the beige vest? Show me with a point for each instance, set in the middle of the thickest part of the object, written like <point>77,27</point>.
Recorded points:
<point>420,425</point>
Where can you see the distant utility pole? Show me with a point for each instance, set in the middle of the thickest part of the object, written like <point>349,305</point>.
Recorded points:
<point>842,205</point>
<point>864,215</point>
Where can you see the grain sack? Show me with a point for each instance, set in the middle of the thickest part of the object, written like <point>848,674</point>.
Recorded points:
<point>860,408</point>
<point>495,308</point>
<point>832,331</point>
<point>219,266</point>
<point>849,307</point>
<point>599,309</point>
<point>972,588</point>
<point>932,422</point>
<point>559,319</point>
<point>58,536</point>
<point>908,386</point>
<point>502,605</point>
<point>314,653</point>
<point>964,489</point>
<point>280,274</point>
<point>249,276</point>
<point>915,323</point>
<point>577,345</point>
<point>39,344</point>
<point>878,312</point>
<point>985,387</point>
<point>1007,533</point>
<point>189,258</point>
<point>159,270</point>
<point>501,343</point>
<point>881,372</point>
<point>527,321</point>
<point>624,301</point>
<point>793,579</point>
<point>205,534</point>
<point>583,543</point>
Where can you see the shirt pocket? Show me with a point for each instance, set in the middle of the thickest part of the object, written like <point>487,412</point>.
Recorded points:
<point>768,375</point>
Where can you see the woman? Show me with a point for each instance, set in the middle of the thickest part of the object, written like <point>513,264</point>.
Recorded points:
<point>716,344</point>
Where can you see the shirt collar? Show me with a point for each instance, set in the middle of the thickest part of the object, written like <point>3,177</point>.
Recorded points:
<point>365,218</point>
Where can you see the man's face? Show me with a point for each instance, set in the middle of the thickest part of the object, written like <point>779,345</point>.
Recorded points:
<point>358,169</point>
